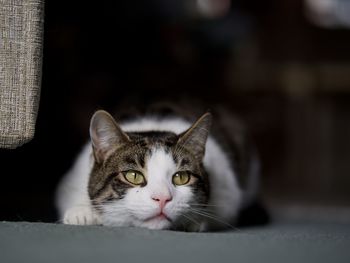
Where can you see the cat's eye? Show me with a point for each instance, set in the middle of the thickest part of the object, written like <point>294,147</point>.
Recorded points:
<point>134,177</point>
<point>181,178</point>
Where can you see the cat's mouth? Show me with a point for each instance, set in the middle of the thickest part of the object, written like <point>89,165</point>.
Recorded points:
<point>159,217</point>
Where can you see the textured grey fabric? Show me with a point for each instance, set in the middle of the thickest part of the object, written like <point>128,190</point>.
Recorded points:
<point>21,31</point>
<point>297,242</point>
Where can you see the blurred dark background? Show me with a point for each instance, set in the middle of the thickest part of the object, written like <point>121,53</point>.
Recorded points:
<point>282,66</point>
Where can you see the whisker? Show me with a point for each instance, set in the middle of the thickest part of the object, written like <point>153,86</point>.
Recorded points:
<point>213,217</point>
<point>191,219</point>
<point>207,205</point>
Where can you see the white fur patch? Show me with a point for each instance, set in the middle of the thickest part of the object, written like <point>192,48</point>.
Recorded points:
<point>160,168</point>
<point>72,191</point>
<point>156,124</point>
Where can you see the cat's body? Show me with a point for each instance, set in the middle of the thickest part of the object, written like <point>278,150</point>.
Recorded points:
<point>136,174</point>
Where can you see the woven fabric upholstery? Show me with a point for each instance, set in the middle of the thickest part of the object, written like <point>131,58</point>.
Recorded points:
<point>21,39</point>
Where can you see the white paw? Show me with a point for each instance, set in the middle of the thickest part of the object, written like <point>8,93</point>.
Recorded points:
<point>80,215</point>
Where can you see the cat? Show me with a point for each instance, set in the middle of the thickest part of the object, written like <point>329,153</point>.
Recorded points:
<point>158,173</point>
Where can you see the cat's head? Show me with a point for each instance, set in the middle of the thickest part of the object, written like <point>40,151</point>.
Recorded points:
<point>149,179</point>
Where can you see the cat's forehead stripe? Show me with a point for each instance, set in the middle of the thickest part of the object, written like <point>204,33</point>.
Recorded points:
<point>130,160</point>
<point>184,162</point>
<point>136,159</point>
<point>149,138</point>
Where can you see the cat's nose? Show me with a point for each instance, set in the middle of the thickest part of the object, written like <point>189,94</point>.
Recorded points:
<point>162,200</point>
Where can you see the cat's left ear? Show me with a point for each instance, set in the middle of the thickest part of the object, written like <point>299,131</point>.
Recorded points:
<point>195,138</point>
<point>105,135</point>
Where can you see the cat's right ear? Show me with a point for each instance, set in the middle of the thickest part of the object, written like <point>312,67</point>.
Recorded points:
<point>105,135</point>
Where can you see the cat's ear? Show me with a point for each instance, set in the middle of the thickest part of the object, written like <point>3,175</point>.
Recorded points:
<point>195,138</point>
<point>105,135</point>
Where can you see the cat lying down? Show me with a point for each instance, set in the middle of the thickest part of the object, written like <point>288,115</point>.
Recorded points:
<point>157,173</point>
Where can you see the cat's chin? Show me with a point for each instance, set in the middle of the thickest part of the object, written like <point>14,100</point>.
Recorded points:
<point>158,222</point>
<point>155,222</point>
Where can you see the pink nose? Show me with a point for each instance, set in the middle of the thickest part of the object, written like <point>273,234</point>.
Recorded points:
<point>162,200</point>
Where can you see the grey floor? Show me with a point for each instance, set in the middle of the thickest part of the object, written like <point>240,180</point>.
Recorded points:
<point>279,242</point>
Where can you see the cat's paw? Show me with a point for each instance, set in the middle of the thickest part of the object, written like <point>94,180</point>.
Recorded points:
<point>80,216</point>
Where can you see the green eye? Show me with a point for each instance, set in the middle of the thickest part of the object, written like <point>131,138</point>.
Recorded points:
<point>134,177</point>
<point>181,178</point>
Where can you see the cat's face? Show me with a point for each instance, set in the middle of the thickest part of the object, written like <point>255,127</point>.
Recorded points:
<point>148,179</point>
